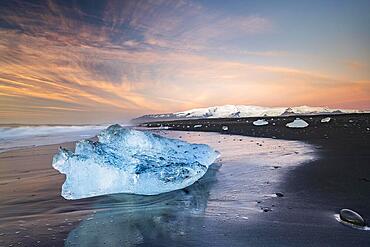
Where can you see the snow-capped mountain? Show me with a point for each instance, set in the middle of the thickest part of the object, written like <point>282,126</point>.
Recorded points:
<point>235,111</point>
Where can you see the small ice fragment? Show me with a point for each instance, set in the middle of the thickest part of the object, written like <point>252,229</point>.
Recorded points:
<point>326,120</point>
<point>197,126</point>
<point>260,122</point>
<point>297,123</point>
<point>131,161</point>
<point>225,128</point>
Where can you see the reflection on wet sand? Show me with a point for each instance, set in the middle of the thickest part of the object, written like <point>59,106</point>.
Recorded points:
<point>212,211</point>
<point>132,219</point>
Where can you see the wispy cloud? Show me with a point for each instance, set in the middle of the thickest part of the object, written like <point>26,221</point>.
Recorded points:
<point>73,63</point>
<point>355,65</point>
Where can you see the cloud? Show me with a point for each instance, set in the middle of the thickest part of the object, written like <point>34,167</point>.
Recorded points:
<point>75,63</point>
<point>355,65</point>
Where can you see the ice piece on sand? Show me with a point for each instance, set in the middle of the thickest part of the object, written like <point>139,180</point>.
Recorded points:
<point>131,161</point>
<point>197,126</point>
<point>260,122</point>
<point>225,128</point>
<point>164,127</point>
<point>297,123</point>
<point>326,120</point>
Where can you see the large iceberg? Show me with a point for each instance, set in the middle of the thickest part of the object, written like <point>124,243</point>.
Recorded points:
<point>131,161</point>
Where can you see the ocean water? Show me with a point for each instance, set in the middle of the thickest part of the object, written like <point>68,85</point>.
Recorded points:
<point>236,191</point>
<point>15,137</point>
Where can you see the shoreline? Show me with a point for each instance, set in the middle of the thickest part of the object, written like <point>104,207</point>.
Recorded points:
<point>340,178</point>
<point>346,127</point>
<point>313,193</point>
<point>33,210</point>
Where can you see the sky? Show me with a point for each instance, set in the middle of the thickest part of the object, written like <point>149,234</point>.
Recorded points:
<point>89,61</point>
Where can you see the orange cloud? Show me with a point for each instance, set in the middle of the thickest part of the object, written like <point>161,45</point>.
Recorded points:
<point>355,65</point>
<point>59,68</point>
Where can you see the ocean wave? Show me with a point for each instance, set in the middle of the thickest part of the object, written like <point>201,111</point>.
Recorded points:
<point>24,136</point>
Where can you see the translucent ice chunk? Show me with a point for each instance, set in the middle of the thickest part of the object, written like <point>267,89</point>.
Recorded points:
<point>131,161</point>
<point>325,120</point>
<point>260,122</point>
<point>297,123</point>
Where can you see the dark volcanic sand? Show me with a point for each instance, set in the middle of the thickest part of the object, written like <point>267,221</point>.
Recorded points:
<point>216,210</point>
<point>225,208</point>
<point>347,127</point>
<point>340,178</point>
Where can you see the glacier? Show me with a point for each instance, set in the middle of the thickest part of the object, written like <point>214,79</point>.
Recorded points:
<point>241,111</point>
<point>125,160</point>
<point>232,111</point>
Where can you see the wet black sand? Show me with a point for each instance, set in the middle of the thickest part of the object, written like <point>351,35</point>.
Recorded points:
<point>353,128</point>
<point>214,211</point>
<point>315,191</point>
<point>225,208</point>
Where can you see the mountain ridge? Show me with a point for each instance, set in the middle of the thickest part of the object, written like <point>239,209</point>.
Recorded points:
<point>238,111</point>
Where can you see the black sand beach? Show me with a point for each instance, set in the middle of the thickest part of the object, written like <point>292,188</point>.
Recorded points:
<point>184,123</point>
<point>263,192</point>
<point>317,190</point>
